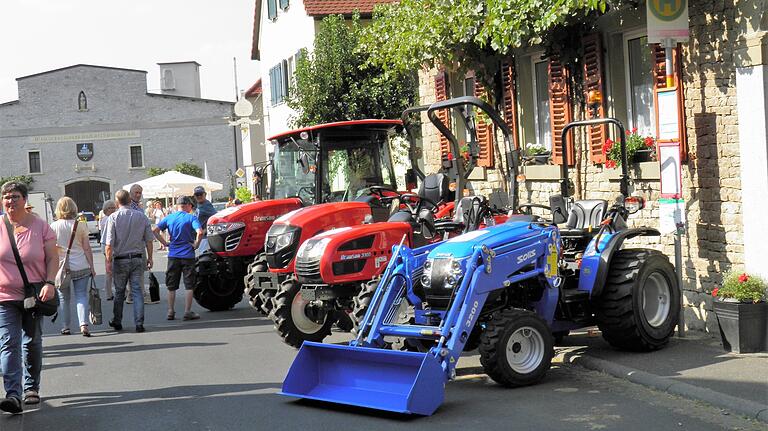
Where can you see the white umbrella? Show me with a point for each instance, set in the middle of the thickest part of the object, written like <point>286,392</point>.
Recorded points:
<point>174,183</point>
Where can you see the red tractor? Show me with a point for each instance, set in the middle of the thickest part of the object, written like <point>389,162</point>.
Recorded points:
<point>337,270</point>
<point>324,165</point>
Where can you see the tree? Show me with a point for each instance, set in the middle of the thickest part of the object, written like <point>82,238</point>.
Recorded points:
<point>189,169</point>
<point>24,179</point>
<point>469,34</point>
<point>153,172</point>
<point>338,82</point>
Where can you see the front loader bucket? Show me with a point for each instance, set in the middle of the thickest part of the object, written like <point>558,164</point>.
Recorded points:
<point>403,382</point>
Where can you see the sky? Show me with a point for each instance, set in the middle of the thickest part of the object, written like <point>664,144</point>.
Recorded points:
<point>41,35</point>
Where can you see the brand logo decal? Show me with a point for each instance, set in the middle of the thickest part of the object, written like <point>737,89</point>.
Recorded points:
<point>264,218</point>
<point>472,314</point>
<point>379,260</point>
<point>356,256</point>
<point>526,256</point>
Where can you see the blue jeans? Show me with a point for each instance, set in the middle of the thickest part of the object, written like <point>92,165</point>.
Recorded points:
<point>21,348</point>
<point>80,287</point>
<point>123,271</point>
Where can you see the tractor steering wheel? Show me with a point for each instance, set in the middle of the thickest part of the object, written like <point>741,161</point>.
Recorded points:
<point>529,206</point>
<point>414,202</point>
<point>378,191</point>
<point>309,191</point>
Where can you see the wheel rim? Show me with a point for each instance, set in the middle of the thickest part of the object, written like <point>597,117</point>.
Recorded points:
<point>301,321</point>
<point>525,350</point>
<point>656,299</point>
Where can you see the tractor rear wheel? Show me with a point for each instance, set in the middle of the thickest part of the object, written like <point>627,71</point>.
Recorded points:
<point>253,291</point>
<point>216,288</point>
<point>516,348</point>
<point>296,320</point>
<point>640,304</point>
<point>266,300</point>
<point>362,300</point>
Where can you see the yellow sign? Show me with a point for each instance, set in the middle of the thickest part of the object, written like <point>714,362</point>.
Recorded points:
<point>667,20</point>
<point>240,172</point>
<point>667,10</point>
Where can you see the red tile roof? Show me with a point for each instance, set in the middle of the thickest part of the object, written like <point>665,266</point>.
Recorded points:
<point>344,7</point>
<point>255,89</point>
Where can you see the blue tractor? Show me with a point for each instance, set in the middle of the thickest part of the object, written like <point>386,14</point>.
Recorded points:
<point>508,290</point>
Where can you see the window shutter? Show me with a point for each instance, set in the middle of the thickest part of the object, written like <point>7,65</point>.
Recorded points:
<point>441,93</point>
<point>283,4</point>
<point>284,79</point>
<point>485,133</point>
<point>593,81</point>
<point>660,83</point>
<point>509,99</point>
<point>559,108</point>
<point>272,9</point>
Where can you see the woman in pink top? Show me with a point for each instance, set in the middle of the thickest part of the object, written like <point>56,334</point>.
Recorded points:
<point>20,330</point>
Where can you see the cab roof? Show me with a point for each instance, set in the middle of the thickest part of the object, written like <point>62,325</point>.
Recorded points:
<point>348,124</point>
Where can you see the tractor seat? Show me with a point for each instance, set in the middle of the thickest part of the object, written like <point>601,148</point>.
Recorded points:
<point>582,216</point>
<point>435,187</point>
<point>401,216</point>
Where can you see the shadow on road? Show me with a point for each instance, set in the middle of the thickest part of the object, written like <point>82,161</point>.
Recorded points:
<point>95,349</point>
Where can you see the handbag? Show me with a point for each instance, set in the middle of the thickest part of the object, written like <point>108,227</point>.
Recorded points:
<point>94,303</point>
<point>64,275</point>
<point>32,301</point>
<point>154,288</point>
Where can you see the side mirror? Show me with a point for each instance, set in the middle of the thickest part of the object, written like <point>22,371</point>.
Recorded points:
<point>427,223</point>
<point>559,210</point>
<point>304,162</point>
<point>410,179</point>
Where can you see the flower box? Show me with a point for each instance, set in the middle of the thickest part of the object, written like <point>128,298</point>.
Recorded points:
<point>743,326</point>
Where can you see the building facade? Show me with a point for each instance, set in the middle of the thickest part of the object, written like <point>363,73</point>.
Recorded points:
<point>721,86</point>
<point>84,131</point>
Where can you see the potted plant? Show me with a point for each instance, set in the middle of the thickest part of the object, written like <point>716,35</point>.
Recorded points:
<point>536,154</point>
<point>742,312</point>
<point>639,149</point>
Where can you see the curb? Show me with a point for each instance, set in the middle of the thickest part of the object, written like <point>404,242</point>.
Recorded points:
<point>743,407</point>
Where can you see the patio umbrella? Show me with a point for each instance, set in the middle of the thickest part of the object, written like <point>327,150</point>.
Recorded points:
<point>174,183</point>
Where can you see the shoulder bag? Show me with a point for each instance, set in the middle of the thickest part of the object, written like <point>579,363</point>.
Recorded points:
<point>32,301</point>
<point>64,275</point>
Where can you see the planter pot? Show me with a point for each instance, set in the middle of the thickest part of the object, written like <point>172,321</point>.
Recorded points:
<point>541,159</point>
<point>743,326</point>
<point>643,156</point>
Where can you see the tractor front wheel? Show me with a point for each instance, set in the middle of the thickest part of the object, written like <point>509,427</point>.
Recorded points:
<point>216,288</point>
<point>296,319</point>
<point>253,291</point>
<point>516,348</point>
<point>640,304</point>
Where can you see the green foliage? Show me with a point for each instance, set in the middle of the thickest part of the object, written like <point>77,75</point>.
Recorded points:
<point>189,169</point>
<point>153,172</point>
<point>243,194</point>
<point>24,179</point>
<point>535,149</point>
<point>337,82</point>
<point>635,142</point>
<point>468,34</point>
<point>742,287</point>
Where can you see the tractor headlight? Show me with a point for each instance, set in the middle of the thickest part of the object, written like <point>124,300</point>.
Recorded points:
<point>280,237</point>
<point>426,278</point>
<point>445,273</point>
<point>220,228</point>
<point>313,249</point>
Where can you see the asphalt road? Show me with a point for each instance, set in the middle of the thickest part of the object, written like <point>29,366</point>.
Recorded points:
<point>222,372</point>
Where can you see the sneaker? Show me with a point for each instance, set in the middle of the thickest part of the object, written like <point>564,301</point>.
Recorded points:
<point>117,326</point>
<point>140,328</point>
<point>191,315</point>
<point>11,405</point>
<point>31,397</point>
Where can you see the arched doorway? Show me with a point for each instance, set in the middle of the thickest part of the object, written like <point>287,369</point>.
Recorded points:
<point>89,195</point>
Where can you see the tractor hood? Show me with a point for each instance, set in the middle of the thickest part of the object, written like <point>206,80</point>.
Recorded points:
<point>256,212</point>
<point>462,246</point>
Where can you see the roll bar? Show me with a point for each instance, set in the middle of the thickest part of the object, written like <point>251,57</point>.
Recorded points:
<point>624,179</point>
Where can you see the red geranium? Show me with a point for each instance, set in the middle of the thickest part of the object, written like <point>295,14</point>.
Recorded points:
<point>714,291</point>
<point>743,278</point>
<point>610,164</point>
<point>634,143</point>
<point>649,142</point>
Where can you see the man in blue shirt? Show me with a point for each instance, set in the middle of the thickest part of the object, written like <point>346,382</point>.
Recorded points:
<point>203,212</point>
<point>185,233</point>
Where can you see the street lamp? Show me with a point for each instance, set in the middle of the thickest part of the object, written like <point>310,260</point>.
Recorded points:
<point>242,119</point>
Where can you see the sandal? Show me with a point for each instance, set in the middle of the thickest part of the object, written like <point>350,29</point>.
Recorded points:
<point>31,397</point>
<point>66,331</point>
<point>84,330</point>
<point>171,315</point>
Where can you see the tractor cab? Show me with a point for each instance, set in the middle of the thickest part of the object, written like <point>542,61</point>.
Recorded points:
<point>333,162</point>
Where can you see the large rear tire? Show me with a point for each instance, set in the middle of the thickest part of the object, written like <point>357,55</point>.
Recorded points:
<point>217,290</point>
<point>362,300</point>
<point>640,304</point>
<point>291,319</point>
<point>516,348</point>
<point>259,264</point>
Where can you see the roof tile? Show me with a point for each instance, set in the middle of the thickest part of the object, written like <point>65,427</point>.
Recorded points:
<point>344,7</point>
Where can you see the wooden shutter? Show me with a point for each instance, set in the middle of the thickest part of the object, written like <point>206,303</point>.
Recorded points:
<point>559,109</point>
<point>593,81</point>
<point>485,133</point>
<point>441,93</point>
<point>509,99</point>
<point>660,83</point>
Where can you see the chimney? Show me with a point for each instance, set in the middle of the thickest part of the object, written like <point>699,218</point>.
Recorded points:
<point>180,78</point>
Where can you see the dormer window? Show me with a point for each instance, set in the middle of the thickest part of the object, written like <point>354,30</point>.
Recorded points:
<point>82,102</point>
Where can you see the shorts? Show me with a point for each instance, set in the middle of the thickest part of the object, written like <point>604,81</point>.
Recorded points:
<point>176,267</point>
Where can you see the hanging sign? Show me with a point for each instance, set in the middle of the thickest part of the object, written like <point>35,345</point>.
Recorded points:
<point>672,216</point>
<point>84,151</point>
<point>671,180</point>
<point>667,19</point>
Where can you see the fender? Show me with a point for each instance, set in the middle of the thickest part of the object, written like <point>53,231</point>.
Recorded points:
<point>594,265</point>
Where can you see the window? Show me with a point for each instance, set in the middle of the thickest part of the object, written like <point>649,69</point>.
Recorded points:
<point>272,9</point>
<point>278,82</point>
<point>640,85</point>
<point>168,82</point>
<point>283,4</point>
<point>137,158</point>
<point>82,102</point>
<point>541,104</point>
<point>34,162</point>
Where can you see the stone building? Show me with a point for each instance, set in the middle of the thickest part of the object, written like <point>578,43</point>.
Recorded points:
<point>84,131</point>
<point>721,83</point>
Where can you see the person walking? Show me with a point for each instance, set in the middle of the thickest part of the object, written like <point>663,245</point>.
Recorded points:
<point>137,192</point>
<point>157,214</point>
<point>203,212</point>
<point>185,235</point>
<point>107,209</point>
<point>128,235</point>
<point>21,333</point>
<point>80,264</point>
